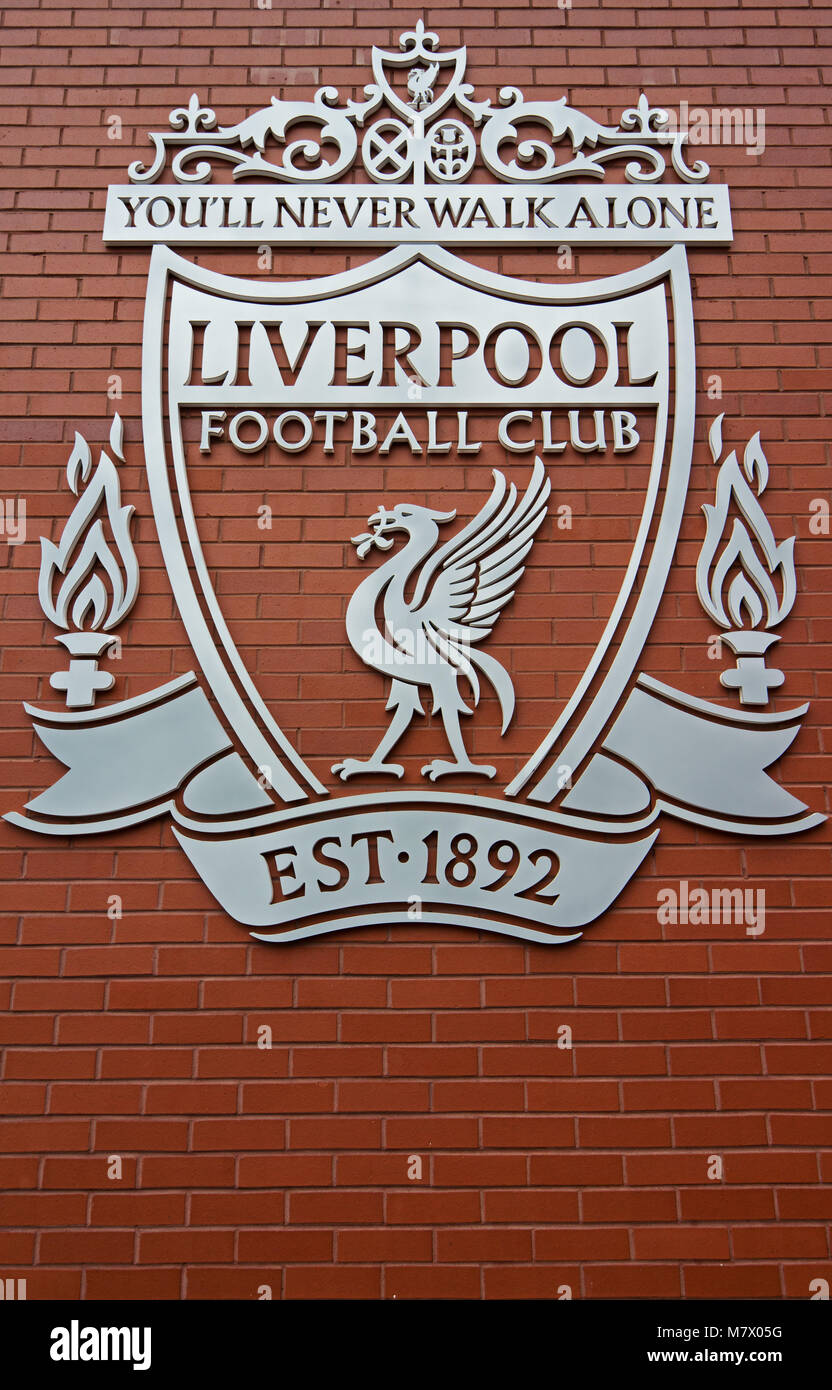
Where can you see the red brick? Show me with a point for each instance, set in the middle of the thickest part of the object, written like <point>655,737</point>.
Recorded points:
<point>419,1207</point>
<point>614,1205</point>
<point>804,1203</point>
<point>633,1281</point>
<point>528,1131</point>
<point>542,1167</point>
<point>288,1247</point>
<point>94,1098</point>
<point>35,1135</point>
<point>230,1208</point>
<point>782,1242</point>
<point>418,1281</point>
<point>229,1281</point>
<point>211,1098</point>
<point>718,1202</point>
<point>391,1246</point>
<point>185,1247</point>
<point>510,1281</point>
<point>284,1170</point>
<point>87,1247</point>
<point>582,1243</point>
<point>353,1281</point>
<point>731,1281</point>
<point>133,1283</point>
<point>191,1170</point>
<point>137,1209</point>
<point>535,1207</point>
<point>681,1243</point>
<point>335,1208</point>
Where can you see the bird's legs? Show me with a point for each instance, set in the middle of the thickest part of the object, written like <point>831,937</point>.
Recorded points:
<point>404,699</point>
<point>440,767</point>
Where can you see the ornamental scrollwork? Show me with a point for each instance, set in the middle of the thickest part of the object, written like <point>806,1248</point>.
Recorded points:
<point>415,140</point>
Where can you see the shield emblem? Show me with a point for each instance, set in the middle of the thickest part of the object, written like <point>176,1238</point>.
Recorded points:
<point>323,394</point>
<point>433,76</point>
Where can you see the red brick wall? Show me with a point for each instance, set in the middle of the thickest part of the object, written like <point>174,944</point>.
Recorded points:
<point>542,1167</point>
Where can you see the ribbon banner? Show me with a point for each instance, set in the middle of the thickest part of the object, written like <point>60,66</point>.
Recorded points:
<point>354,861</point>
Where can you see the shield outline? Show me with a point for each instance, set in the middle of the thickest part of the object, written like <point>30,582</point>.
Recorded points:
<point>418,52</point>
<point>247,714</point>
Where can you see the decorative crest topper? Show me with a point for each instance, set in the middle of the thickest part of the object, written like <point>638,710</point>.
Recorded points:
<point>412,143</point>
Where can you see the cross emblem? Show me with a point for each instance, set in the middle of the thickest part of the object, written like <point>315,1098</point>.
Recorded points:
<point>387,158</point>
<point>82,682</point>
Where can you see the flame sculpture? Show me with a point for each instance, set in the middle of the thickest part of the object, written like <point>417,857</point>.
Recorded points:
<point>83,559</point>
<point>750,555</point>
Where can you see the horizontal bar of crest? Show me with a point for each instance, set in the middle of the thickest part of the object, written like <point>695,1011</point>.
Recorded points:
<point>399,214</point>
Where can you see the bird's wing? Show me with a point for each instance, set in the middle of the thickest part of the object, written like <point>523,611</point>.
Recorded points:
<point>466,583</point>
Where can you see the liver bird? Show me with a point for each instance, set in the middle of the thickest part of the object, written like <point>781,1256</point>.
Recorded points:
<point>420,85</point>
<point>459,590</point>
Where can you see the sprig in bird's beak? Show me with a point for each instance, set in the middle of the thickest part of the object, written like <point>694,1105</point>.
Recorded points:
<point>380,522</point>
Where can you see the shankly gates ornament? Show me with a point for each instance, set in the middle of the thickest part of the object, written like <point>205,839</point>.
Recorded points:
<point>578,366</point>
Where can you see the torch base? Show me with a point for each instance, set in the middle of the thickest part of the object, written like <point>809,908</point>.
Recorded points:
<point>752,678</point>
<point>83,681</point>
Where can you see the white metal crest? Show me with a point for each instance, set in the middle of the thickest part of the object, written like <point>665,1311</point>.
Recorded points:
<point>282,850</point>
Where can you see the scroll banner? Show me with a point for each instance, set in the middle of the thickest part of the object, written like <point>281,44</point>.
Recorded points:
<point>488,863</point>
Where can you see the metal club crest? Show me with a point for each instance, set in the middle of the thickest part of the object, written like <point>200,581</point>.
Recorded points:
<point>402,357</point>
